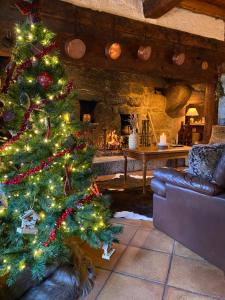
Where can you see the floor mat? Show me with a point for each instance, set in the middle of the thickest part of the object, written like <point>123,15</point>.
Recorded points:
<point>129,196</point>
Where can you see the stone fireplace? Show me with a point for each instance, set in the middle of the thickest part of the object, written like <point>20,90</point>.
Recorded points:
<point>118,94</point>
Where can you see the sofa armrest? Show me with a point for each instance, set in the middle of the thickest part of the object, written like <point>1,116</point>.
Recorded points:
<point>158,187</point>
<point>187,180</point>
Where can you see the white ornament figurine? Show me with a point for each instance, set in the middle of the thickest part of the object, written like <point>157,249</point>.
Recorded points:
<point>108,251</point>
<point>29,220</point>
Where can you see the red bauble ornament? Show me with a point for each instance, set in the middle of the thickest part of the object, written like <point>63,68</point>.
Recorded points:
<point>45,80</point>
<point>46,244</point>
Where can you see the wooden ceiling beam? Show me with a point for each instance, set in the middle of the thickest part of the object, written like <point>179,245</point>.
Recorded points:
<point>156,8</point>
<point>203,7</point>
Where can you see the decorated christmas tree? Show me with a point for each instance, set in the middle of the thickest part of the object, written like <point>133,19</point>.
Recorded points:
<point>47,193</point>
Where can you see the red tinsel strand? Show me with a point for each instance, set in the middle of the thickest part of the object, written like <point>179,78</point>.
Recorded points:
<point>25,65</point>
<point>27,115</point>
<point>19,69</point>
<point>68,212</point>
<point>45,163</point>
<point>27,8</point>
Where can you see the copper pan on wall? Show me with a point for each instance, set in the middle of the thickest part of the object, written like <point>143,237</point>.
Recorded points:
<point>113,50</point>
<point>144,53</point>
<point>75,48</point>
<point>179,58</point>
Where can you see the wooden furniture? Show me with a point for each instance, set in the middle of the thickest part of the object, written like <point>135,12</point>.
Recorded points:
<point>152,153</point>
<point>70,21</point>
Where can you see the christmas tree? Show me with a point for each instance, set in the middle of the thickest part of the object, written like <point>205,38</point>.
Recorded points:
<point>47,192</point>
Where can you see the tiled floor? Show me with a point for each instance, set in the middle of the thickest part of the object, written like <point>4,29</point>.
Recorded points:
<point>148,265</point>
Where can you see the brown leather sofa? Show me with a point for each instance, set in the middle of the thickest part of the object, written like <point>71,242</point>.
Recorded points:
<point>192,210</point>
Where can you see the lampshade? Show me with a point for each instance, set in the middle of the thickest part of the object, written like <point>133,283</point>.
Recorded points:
<point>192,112</point>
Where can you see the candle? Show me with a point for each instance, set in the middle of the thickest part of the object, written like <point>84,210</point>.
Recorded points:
<point>163,139</point>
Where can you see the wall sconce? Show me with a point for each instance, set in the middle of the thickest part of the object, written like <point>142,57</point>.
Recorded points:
<point>144,53</point>
<point>75,48</point>
<point>113,50</point>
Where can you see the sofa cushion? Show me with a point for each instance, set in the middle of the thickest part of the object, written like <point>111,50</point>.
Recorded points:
<point>219,174</point>
<point>203,160</point>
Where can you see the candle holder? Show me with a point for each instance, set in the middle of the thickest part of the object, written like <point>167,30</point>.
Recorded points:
<point>162,147</point>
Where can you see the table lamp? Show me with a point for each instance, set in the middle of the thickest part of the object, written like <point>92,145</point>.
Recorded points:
<point>192,112</point>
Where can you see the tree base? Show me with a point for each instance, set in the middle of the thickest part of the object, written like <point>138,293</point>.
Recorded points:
<point>62,282</point>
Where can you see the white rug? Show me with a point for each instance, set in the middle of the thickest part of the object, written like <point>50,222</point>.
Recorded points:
<point>131,215</point>
<point>130,175</point>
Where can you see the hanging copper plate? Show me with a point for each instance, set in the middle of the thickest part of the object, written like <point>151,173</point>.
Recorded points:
<point>179,58</point>
<point>144,52</point>
<point>113,50</point>
<point>205,65</point>
<point>75,48</point>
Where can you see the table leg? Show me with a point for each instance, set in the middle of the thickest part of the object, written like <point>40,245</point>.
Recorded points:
<point>125,169</point>
<point>144,175</point>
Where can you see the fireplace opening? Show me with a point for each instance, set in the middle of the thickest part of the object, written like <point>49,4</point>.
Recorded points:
<point>87,109</point>
<point>125,124</point>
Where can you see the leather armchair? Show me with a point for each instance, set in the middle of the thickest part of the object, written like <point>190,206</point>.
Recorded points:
<point>192,210</point>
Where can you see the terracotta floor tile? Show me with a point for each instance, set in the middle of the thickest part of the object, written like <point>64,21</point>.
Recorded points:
<point>127,234</point>
<point>136,223</point>
<point>120,287</point>
<point>145,225</point>
<point>146,264</point>
<point>175,294</point>
<point>153,239</point>
<point>183,251</point>
<point>96,256</point>
<point>101,277</point>
<point>197,276</point>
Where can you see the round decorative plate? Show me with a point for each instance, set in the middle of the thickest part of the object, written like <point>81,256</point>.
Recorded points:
<point>179,59</point>
<point>144,52</point>
<point>75,48</point>
<point>113,50</point>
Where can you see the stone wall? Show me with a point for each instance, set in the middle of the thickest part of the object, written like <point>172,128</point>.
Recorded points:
<point>124,93</point>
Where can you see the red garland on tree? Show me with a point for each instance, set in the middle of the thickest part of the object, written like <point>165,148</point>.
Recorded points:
<point>25,65</point>
<point>27,115</point>
<point>45,80</point>
<point>30,9</point>
<point>45,163</point>
<point>69,211</point>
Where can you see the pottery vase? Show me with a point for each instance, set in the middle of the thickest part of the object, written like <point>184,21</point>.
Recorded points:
<point>132,142</point>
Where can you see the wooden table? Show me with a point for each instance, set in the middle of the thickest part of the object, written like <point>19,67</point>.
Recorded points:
<point>152,153</point>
